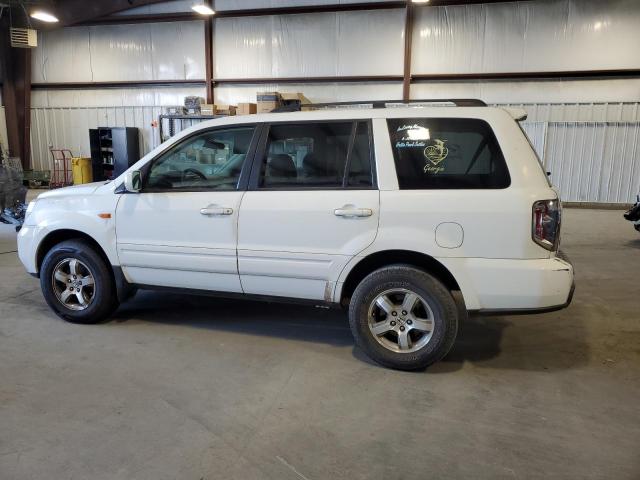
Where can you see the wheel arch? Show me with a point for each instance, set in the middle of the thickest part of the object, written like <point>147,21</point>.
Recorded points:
<point>384,258</point>
<point>123,288</point>
<point>57,236</point>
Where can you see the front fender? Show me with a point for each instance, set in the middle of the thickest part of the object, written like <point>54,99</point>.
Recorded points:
<point>91,215</point>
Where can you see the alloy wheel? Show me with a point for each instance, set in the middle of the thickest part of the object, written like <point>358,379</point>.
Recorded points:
<point>401,320</point>
<point>73,284</point>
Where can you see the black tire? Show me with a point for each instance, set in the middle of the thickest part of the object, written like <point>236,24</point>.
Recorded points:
<point>430,290</point>
<point>104,300</point>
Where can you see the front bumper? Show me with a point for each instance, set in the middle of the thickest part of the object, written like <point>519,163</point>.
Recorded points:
<point>28,240</point>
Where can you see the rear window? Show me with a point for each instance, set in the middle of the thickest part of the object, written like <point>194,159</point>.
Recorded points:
<point>446,153</point>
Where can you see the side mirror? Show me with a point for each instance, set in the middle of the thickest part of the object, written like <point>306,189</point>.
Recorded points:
<point>133,181</point>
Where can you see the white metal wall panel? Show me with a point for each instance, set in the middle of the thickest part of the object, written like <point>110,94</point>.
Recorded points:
<point>537,134</point>
<point>370,43</point>
<point>594,161</point>
<point>160,96</point>
<point>580,112</point>
<point>553,35</point>
<point>320,44</point>
<point>248,39</point>
<point>153,51</point>
<point>63,54</point>
<point>576,91</point>
<point>317,93</point>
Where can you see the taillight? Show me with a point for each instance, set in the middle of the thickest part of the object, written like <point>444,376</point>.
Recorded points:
<point>546,223</point>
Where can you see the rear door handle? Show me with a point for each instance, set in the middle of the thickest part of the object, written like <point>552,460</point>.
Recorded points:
<point>214,210</point>
<point>352,212</point>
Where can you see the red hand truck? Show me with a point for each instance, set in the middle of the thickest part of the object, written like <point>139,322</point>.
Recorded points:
<point>61,175</point>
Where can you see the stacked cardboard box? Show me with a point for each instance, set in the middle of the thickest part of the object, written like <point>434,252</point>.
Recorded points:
<point>217,109</point>
<point>268,101</point>
<point>225,109</point>
<point>246,108</point>
<point>294,99</point>
<point>207,109</point>
<point>177,110</point>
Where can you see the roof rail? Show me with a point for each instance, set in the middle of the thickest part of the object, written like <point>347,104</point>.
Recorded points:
<point>458,102</point>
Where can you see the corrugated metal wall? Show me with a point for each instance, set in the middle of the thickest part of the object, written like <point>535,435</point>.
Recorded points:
<point>580,112</point>
<point>594,161</point>
<point>589,161</point>
<point>69,128</point>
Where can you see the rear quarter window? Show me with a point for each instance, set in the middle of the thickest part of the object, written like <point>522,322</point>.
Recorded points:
<point>446,153</point>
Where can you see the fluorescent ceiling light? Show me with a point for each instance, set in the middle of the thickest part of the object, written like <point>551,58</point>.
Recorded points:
<point>44,16</point>
<point>203,9</point>
<point>420,1</point>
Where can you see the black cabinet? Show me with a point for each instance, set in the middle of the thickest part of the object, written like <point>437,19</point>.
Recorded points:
<point>113,150</point>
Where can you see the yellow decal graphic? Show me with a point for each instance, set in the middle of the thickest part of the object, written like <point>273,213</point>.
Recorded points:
<point>436,153</point>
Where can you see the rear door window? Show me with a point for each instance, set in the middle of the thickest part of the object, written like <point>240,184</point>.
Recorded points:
<point>446,153</point>
<point>317,155</point>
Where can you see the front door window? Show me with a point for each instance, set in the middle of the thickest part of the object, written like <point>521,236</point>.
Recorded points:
<point>208,161</point>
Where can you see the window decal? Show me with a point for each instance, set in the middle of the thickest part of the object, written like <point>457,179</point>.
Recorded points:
<point>436,154</point>
<point>447,153</point>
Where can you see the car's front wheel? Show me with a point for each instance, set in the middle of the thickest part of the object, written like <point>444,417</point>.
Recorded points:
<point>403,318</point>
<point>77,283</point>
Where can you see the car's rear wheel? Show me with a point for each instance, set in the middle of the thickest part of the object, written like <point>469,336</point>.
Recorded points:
<point>403,318</point>
<point>77,284</point>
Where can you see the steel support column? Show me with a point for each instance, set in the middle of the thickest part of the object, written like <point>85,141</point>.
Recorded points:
<point>408,34</point>
<point>15,68</point>
<point>208,57</point>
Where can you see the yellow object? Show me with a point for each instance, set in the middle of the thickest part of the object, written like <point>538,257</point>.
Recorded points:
<point>81,170</point>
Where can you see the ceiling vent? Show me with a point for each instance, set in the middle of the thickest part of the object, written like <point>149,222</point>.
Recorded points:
<point>24,37</point>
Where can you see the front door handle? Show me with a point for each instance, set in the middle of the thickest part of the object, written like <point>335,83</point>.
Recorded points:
<point>352,212</point>
<point>214,210</point>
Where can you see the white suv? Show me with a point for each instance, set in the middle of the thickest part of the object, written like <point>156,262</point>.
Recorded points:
<point>386,211</point>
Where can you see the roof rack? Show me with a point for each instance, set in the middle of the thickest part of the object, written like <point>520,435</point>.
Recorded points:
<point>458,102</point>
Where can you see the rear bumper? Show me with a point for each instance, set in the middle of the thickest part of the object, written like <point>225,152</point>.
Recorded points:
<point>505,286</point>
<point>529,311</point>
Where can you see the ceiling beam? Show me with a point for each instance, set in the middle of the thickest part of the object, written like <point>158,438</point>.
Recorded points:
<point>117,84</point>
<point>73,12</point>
<point>257,12</point>
<point>525,76</point>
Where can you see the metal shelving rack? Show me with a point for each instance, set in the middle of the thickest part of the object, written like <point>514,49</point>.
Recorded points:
<point>171,119</point>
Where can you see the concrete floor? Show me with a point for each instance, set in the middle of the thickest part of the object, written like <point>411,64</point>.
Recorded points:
<point>201,388</point>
